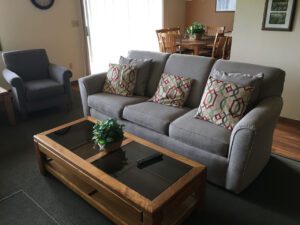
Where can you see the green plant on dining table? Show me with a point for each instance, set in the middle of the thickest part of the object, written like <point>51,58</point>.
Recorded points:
<point>107,132</point>
<point>195,28</point>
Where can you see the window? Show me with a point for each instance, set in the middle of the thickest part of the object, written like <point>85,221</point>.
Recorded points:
<point>225,5</point>
<point>116,26</point>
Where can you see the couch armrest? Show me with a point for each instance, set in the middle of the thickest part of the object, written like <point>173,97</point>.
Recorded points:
<point>251,143</point>
<point>17,87</point>
<point>90,85</point>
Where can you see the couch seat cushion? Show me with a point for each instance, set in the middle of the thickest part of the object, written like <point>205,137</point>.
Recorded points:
<point>201,134</point>
<point>44,88</point>
<point>153,116</point>
<point>112,105</point>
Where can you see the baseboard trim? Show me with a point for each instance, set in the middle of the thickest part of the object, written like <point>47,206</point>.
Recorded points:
<point>289,121</point>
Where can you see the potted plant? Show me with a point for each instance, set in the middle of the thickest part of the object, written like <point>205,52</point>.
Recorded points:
<point>108,134</point>
<point>195,31</point>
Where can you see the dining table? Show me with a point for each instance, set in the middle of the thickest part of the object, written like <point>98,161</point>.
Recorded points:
<point>196,45</point>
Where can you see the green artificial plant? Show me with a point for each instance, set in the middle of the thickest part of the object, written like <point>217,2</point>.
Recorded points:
<point>107,132</point>
<point>195,28</point>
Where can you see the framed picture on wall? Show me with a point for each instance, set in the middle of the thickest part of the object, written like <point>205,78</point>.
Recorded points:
<point>225,5</point>
<point>279,15</point>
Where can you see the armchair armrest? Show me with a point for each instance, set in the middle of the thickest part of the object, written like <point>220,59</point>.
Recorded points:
<point>251,143</point>
<point>62,75</point>
<point>17,87</point>
<point>13,79</point>
<point>90,85</point>
<point>59,73</point>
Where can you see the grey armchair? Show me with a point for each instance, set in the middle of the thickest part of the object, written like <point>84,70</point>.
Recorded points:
<point>36,84</point>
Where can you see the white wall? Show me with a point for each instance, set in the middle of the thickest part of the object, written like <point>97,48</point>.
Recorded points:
<point>23,26</point>
<point>272,48</point>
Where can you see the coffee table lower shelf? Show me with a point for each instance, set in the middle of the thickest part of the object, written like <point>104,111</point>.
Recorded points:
<point>120,212</point>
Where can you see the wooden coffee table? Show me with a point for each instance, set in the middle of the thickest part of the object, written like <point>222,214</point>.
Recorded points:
<point>164,191</point>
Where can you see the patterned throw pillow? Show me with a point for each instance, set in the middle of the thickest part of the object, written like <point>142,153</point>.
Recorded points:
<point>143,67</point>
<point>172,90</point>
<point>224,103</point>
<point>120,80</point>
<point>242,79</point>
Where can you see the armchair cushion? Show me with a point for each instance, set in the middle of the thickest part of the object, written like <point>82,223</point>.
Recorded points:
<point>200,134</point>
<point>39,89</point>
<point>28,64</point>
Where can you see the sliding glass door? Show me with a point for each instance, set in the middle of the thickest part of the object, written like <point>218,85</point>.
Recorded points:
<point>115,26</point>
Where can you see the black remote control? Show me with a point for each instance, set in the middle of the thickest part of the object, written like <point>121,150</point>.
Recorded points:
<point>149,160</point>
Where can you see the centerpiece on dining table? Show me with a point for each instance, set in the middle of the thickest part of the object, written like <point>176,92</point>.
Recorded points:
<point>108,134</point>
<point>195,31</point>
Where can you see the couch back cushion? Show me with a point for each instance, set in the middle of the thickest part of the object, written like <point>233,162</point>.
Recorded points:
<point>273,81</point>
<point>28,64</point>
<point>196,67</point>
<point>156,70</point>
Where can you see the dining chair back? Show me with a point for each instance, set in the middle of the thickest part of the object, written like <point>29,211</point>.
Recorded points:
<point>168,39</point>
<point>227,47</point>
<point>212,30</point>
<point>219,46</point>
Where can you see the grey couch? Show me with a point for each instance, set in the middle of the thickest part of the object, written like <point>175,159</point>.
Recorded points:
<point>36,84</point>
<point>234,158</point>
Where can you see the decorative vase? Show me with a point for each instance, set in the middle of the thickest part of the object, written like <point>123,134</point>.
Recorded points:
<point>195,36</point>
<point>111,147</point>
<point>192,36</point>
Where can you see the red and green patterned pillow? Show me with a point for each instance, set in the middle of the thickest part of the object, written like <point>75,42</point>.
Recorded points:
<point>172,90</point>
<point>120,80</point>
<point>224,103</point>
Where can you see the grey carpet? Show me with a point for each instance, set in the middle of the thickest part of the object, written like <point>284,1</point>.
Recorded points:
<point>19,208</point>
<point>274,198</point>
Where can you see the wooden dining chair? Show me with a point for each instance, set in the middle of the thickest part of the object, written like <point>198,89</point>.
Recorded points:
<point>168,39</point>
<point>210,36</point>
<point>219,46</point>
<point>227,48</point>
<point>212,30</point>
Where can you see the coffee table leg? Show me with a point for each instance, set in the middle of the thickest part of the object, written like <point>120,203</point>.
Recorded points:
<point>152,219</point>
<point>200,194</point>
<point>9,109</point>
<point>41,158</point>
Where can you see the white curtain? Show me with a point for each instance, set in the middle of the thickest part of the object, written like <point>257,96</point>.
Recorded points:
<point>116,26</point>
